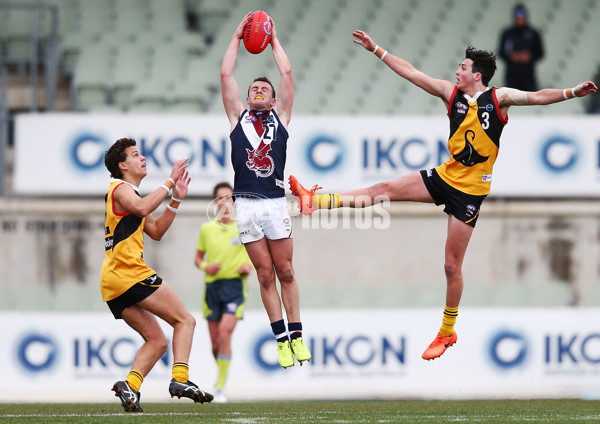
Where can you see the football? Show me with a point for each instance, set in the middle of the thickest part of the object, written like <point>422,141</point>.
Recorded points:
<point>257,34</point>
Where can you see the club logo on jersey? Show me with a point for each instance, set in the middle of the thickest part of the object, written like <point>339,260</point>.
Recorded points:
<point>469,156</point>
<point>461,107</point>
<point>259,160</point>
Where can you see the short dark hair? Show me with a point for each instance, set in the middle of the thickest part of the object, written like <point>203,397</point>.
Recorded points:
<point>263,79</point>
<point>219,186</point>
<point>116,154</point>
<point>484,62</point>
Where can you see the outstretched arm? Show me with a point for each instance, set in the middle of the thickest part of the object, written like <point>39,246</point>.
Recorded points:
<point>435,87</point>
<point>229,86</point>
<point>554,95</point>
<point>512,97</point>
<point>285,87</point>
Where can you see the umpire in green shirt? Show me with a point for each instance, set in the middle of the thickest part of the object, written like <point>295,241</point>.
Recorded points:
<point>226,265</point>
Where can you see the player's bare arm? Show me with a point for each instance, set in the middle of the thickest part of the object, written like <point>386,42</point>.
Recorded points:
<point>156,228</point>
<point>512,97</point>
<point>554,95</point>
<point>229,87</point>
<point>127,199</point>
<point>436,87</point>
<point>285,87</point>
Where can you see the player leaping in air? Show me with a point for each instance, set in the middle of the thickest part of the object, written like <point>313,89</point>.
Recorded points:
<point>258,153</point>
<point>477,115</point>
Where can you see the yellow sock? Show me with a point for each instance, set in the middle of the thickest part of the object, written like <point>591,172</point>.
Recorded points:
<point>223,362</point>
<point>180,372</point>
<point>327,201</point>
<point>448,321</point>
<point>135,379</point>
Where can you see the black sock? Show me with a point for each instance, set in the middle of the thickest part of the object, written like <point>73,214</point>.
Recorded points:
<point>278,328</point>
<point>295,329</point>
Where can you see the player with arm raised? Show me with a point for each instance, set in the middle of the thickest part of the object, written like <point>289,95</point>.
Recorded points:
<point>477,116</point>
<point>258,153</point>
<point>132,290</point>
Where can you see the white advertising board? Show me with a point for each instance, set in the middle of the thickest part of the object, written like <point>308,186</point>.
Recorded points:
<point>357,354</point>
<point>539,156</point>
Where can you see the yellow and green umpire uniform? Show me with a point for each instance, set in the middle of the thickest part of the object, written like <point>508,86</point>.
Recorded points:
<point>226,291</point>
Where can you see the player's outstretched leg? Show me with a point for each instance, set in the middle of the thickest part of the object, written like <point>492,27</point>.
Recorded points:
<point>439,345</point>
<point>130,399</point>
<point>284,354</point>
<point>189,390</point>
<point>300,350</point>
<point>305,197</point>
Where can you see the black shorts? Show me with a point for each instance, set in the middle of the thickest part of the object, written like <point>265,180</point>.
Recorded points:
<point>137,293</point>
<point>224,297</point>
<point>464,207</point>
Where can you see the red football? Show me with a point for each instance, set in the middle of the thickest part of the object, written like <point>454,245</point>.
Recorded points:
<point>257,34</point>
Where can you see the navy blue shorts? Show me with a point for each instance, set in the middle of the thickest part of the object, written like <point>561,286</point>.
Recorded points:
<point>137,293</point>
<point>464,207</point>
<point>224,297</point>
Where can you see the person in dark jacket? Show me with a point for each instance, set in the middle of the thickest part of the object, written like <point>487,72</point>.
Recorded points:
<point>521,47</point>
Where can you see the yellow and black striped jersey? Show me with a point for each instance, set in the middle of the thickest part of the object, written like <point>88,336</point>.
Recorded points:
<point>123,264</point>
<point>475,128</point>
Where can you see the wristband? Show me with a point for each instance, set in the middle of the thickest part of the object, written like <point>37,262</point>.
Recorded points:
<point>203,265</point>
<point>375,49</point>
<point>379,52</point>
<point>566,93</point>
<point>171,179</point>
<point>175,199</point>
<point>166,188</point>
<point>172,209</point>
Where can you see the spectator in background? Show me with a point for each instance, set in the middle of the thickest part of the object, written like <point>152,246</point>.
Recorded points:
<point>226,264</point>
<point>521,47</point>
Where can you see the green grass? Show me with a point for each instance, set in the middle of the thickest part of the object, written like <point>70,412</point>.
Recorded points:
<point>417,412</point>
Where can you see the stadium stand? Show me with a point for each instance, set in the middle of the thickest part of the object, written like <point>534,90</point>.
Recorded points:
<point>118,53</point>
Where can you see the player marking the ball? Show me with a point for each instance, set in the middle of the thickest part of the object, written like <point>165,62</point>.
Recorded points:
<point>258,152</point>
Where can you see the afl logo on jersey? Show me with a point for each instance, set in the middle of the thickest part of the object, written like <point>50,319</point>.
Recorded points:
<point>259,160</point>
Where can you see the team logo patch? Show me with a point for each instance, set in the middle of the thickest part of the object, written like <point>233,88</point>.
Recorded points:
<point>462,108</point>
<point>231,307</point>
<point>471,209</point>
<point>259,160</point>
<point>489,107</point>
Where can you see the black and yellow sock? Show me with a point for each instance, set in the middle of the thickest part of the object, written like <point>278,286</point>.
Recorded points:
<point>448,321</point>
<point>135,379</point>
<point>326,201</point>
<point>181,372</point>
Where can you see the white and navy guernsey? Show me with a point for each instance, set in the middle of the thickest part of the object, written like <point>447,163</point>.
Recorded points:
<point>258,154</point>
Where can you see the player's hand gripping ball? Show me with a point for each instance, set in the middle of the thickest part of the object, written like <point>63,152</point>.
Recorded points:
<point>257,34</point>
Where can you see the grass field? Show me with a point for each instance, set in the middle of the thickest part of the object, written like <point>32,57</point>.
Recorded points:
<point>413,412</point>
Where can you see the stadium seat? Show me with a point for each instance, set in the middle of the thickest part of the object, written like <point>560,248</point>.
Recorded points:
<point>92,76</point>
